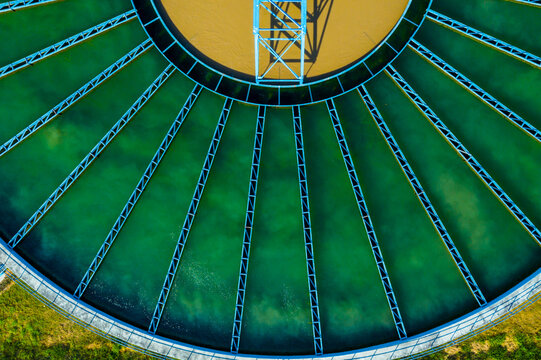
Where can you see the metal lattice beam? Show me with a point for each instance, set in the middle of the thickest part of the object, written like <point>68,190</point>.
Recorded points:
<point>465,154</point>
<point>139,189</point>
<point>76,96</point>
<point>307,228</point>
<point>200,187</point>
<point>363,209</point>
<point>529,2</point>
<point>248,227</point>
<point>67,43</point>
<point>285,33</point>
<point>475,89</point>
<point>21,4</point>
<point>92,155</point>
<point>423,198</point>
<point>484,38</point>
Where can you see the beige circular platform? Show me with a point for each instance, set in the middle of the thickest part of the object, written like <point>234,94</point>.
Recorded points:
<point>339,32</point>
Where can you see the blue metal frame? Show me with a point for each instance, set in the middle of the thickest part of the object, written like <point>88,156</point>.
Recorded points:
<point>76,96</point>
<point>475,89</point>
<point>307,228</point>
<point>529,2</point>
<point>464,153</point>
<point>67,43</point>
<point>248,227</point>
<point>363,209</point>
<point>198,193</point>
<point>21,4</point>
<point>290,32</point>
<point>423,198</point>
<point>484,38</point>
<point>92,155</point>
<point>139,189</point>
<point>245,91</point>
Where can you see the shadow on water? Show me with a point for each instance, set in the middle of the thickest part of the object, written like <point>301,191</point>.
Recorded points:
<point>317,18</point>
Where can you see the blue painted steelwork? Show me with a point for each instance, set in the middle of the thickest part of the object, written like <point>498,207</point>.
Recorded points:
<point>92,155</point>
<point>139,189</point>
<point>485,39</point>
<point>465,154</point>
<point>529,2</point>
<point>198,193</point>
<point>289,32</point>
<point>363,209</point>
<point>423,198</point>
<point>2,269</point>
<point>248,226</point>
<point>21,4</point>
<point>246,91</point>
<point>475,89</point>
<point>307,228</point>
<point>67,43</point>
<point>76,96</point>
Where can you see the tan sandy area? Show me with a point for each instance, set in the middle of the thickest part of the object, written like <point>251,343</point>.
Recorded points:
<point>341,33</point>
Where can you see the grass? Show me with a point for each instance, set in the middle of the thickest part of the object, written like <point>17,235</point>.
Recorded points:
<point>30,330</point>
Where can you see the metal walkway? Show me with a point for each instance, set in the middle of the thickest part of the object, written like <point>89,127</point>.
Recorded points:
<point>248,227</point>
<point>67,43</point>
<point>386,281</point>
<point>475,89</point>
<point>465,154</point>
<point>423,198</point>
<point>485,39</point>
<point>307,228</point>
<point>21,4</point>
<point>200,187</point>
<point>139,189</point>
<point>286,31</point>
<point>92,155</point>
<point>76,96</point>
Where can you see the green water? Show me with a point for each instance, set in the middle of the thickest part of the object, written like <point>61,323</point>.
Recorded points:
<point>353,305</point>
<point>277,291</point>
<point>201,305</point>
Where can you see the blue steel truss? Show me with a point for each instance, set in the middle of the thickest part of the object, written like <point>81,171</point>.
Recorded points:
<point>248,226</point>
<point>485,39</point>
<point>423,198</point>
<point>386,281</point>
<point>287,33</point>
<point>2,269</point>
<point>475,89</point>
<point>307,227</point>
<point>67,43</point>
<point>139,189</point>
<point>92,155</point>
<point>465,154</point>
<point>76,96</point>
<point>198,193</point>
<point>21,4</point>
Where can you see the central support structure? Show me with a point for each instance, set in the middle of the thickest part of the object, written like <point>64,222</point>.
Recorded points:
<point>283,38</point>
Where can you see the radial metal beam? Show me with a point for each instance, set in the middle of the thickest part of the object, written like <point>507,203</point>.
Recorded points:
<point>475,89</point>
<point>248,227</point>
<point>423,198</point>
<point>67,43</point>
<point>464,153</point>
<point>485,39</point>
<point>92,155</point>
<point>307,228</point>
<point>363,209</point>
<point>200,187</point>
<point>76,96</point>
<point>139,189</point>
<point>21,4</point>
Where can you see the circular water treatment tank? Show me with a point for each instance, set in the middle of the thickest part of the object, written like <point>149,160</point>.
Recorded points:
<point>382,204</point>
